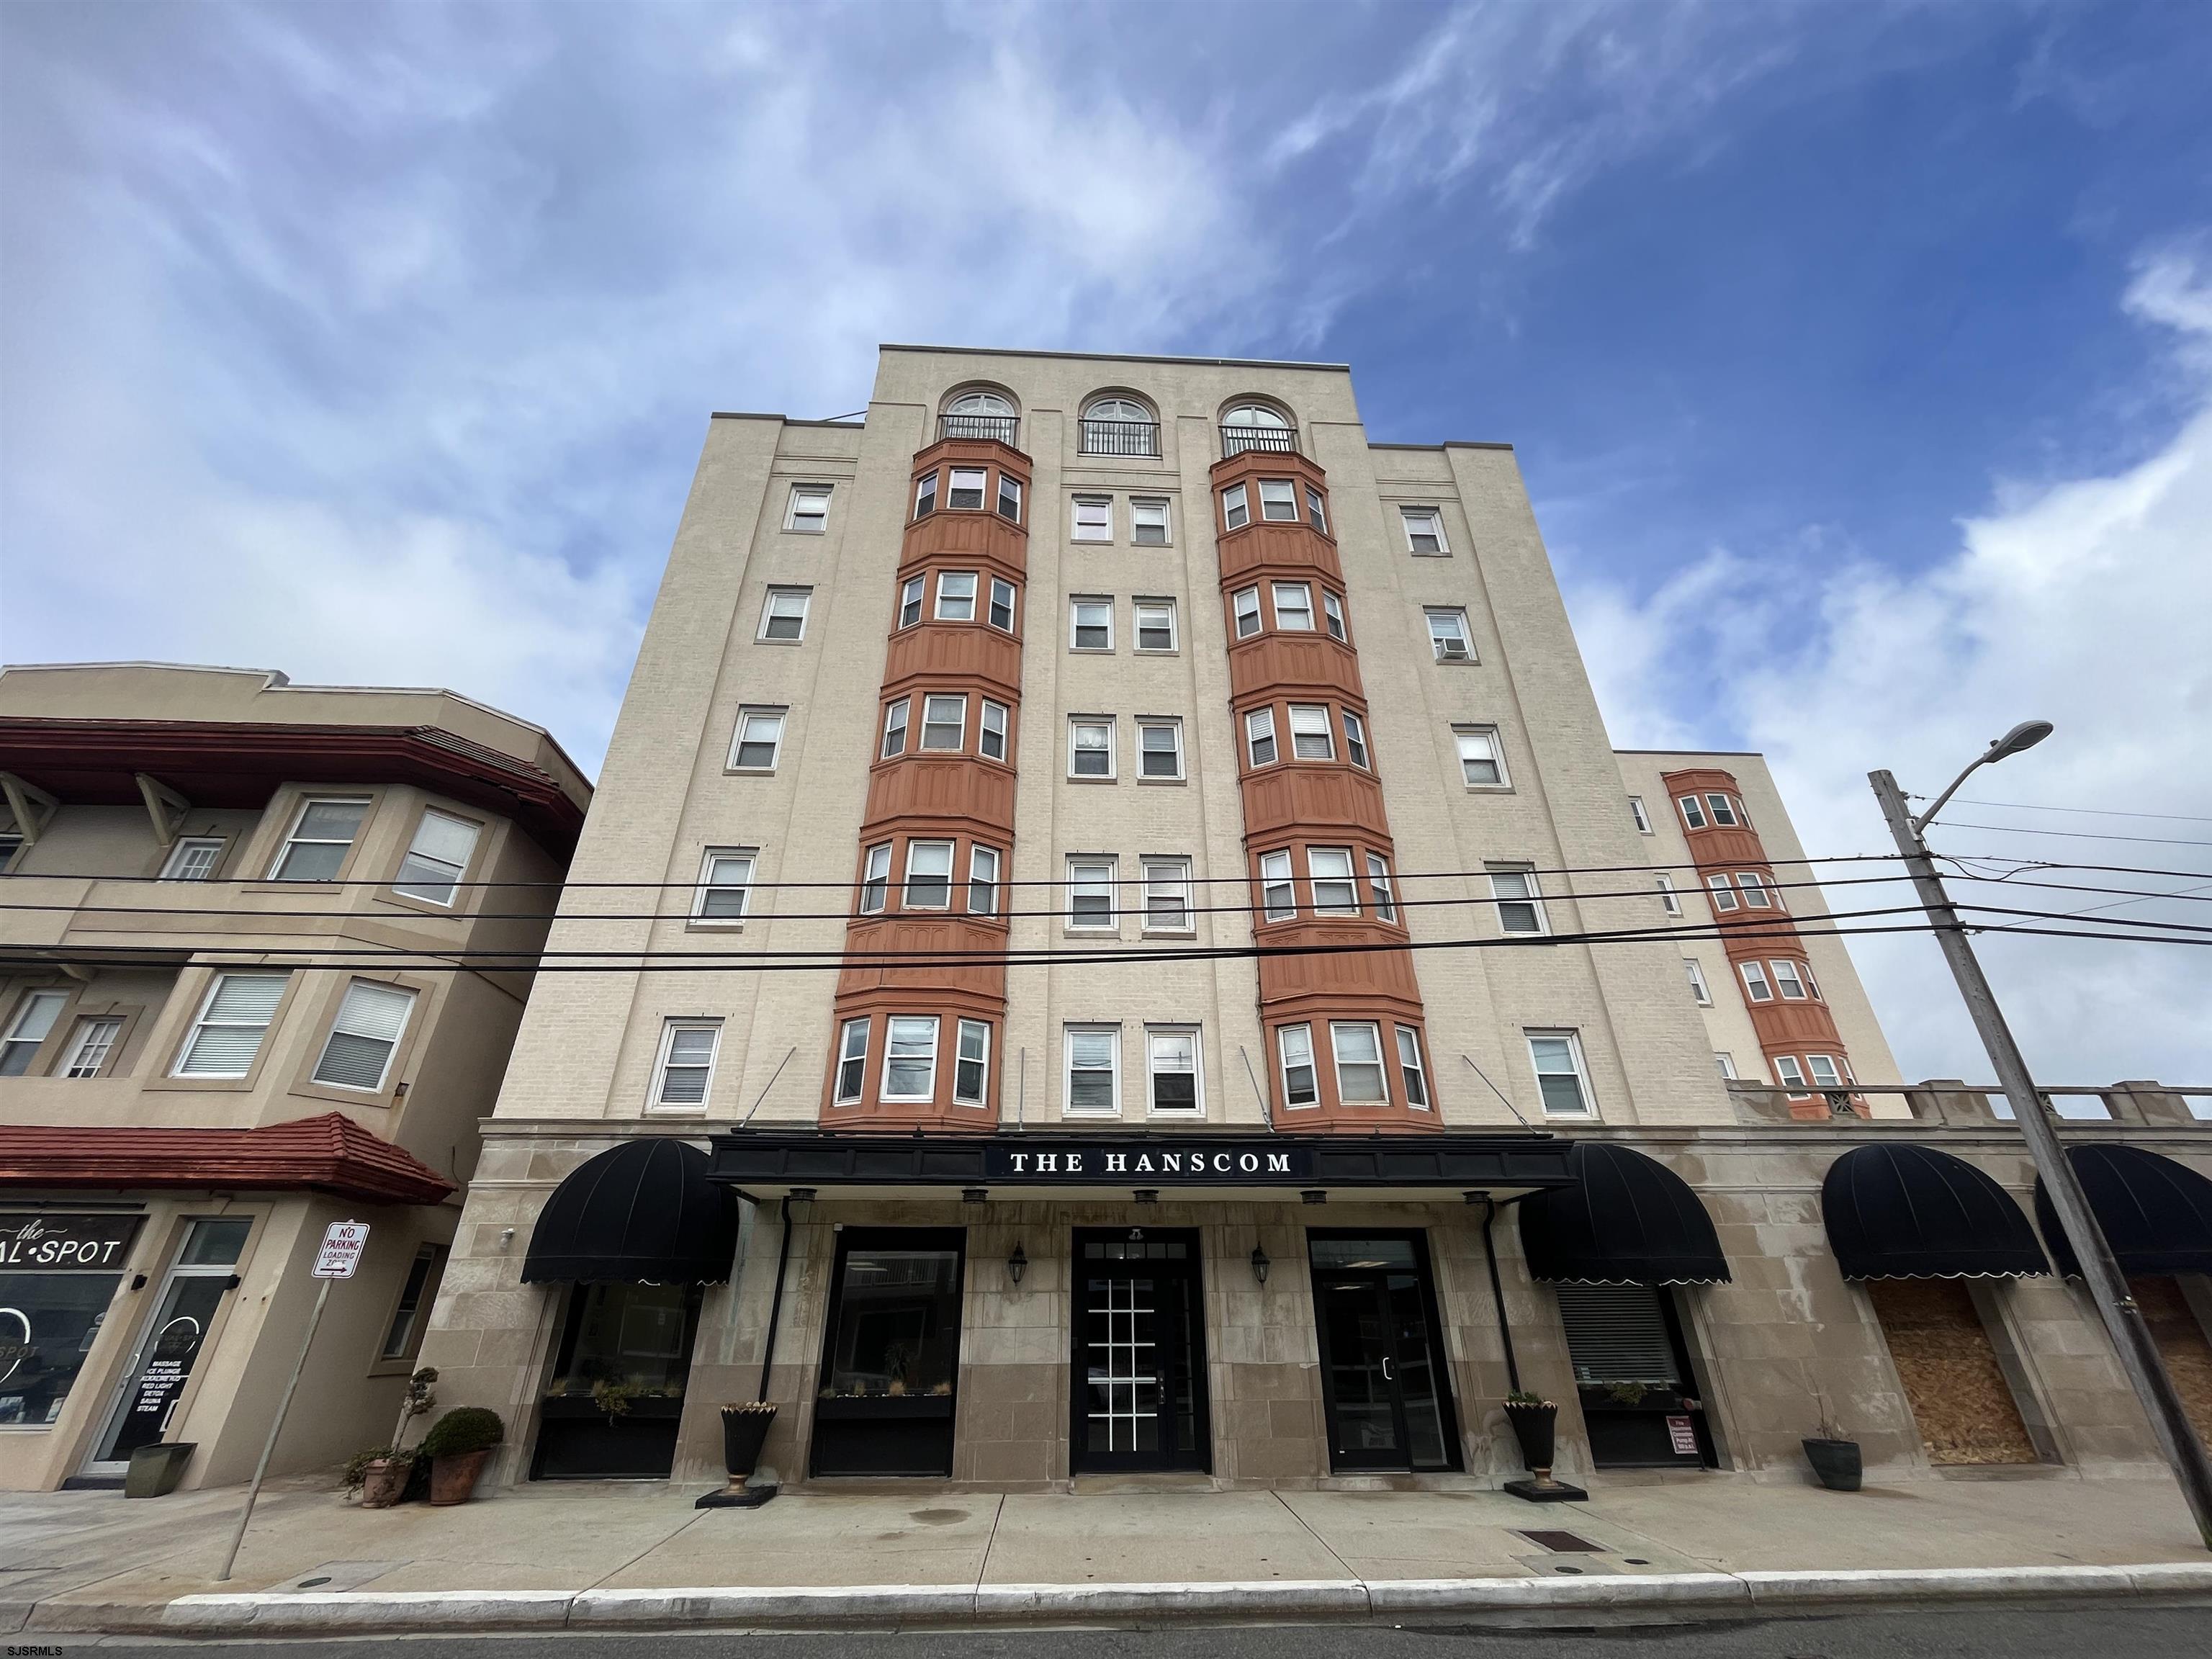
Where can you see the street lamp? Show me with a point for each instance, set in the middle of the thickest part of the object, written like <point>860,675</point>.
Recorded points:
<point>2122,1319</point>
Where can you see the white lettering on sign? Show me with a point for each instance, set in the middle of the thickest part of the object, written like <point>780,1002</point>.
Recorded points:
<point>1682,1434</point>
<point>1279,1163</point>
<point>342,1248</point>
<point>1117,1164</point>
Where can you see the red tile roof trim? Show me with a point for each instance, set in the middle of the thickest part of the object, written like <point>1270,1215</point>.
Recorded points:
<point>328,1154</point>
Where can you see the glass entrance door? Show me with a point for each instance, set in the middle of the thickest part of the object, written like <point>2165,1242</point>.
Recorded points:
<point>171,1344</point>
<point>1139,1394</point>
<point>1389,1404</point>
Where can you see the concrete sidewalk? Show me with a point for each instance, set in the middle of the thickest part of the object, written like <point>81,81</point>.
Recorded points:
<point>611,1553</point>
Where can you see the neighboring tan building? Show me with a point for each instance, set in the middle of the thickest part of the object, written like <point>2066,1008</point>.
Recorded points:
<point>225,1022</point>
<point>1127,851</point>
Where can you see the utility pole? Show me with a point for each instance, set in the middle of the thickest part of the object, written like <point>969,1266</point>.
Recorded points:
<point>2123,1321</point>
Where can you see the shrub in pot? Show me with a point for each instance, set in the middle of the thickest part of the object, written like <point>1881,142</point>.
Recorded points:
<point>458,1446</point>
<point>380,1474</point>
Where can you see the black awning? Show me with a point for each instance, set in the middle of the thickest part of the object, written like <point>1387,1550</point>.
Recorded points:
<point>640,1213</point>
<point>1908,1212</point>
<point>2156,1214</point>
<point>1628,1219</point>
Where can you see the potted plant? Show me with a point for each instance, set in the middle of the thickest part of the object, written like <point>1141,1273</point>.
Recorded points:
<point>1835,1460</point>
<point>612,1396</point>
<point>458,1446</point>
<point>380,1474</point>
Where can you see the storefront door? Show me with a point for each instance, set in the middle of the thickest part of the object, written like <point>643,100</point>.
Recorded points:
<point>170,1347</point>
<point>1389,1407</point>
<point>1139,1395</point>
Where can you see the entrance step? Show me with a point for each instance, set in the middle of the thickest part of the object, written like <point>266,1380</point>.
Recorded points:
<point>1088,1485</point>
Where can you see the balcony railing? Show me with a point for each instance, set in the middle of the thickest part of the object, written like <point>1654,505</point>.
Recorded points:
<point>1121,437</point>
<point>998,429</point>
<point>1235,440</point>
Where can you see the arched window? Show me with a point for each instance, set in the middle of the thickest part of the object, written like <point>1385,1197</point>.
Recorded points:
<point>1119,426</point>
<point>1255,425</point>
<point>979,402</point>
<point>979,415</point>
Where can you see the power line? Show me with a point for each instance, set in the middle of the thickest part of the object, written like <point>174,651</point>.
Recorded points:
<point>2077,834</point>
<point>2085,811</point>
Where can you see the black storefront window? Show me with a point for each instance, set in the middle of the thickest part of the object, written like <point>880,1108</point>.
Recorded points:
<point>891,1356</point>
<point>1631,1371</point>
<point>617,1391</point>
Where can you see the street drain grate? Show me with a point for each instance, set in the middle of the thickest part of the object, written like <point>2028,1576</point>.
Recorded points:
<point>1561,1543</point>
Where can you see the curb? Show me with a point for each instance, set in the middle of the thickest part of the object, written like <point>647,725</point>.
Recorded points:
<point>1705,1594</point>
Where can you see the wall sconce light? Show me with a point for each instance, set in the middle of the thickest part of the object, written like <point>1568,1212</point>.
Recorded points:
<point>1313,1195</point>
<point>974,1194</point>
<point>1017,1265</point>
<point>1260,1264</point>
<point>1148,1195</point>
<point>506,1236</point>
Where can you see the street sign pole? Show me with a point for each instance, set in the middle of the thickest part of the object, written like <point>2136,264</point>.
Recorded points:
<point>340,1255</point>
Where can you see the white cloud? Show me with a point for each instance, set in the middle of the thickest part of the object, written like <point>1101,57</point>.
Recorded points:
<point>2083,601</point>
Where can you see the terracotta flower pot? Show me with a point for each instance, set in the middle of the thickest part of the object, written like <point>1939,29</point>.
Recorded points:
<point>452,1479</point>
<point>383,1481</point>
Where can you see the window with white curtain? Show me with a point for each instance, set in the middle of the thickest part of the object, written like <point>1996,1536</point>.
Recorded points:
<point>1090,893</point>
<point>437,858</point>
<point>910,1058</point>
<point>726,878</point>
<point>1171,1068</point>
<point>1094,1069</point>
<point>784,616</point>
<point>809,513</point>
<point>758,739</point>
<point>1167,896</point>
<point>1310,737</point>
<point>956,596</point>
<point>1334,892</point>
<point>1360,1078</point>
<point>1481,760</point>
<point>227,1033</point>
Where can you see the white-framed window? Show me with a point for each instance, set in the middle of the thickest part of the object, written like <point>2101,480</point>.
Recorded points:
<point>1279,501</point>
<point>1562,1079</point>
<point>1826,1073</point>
<point>1301,1086</point>
<point>1357,1045</point>
<point>417,1292</point>
<point>232,1019</point>
<point>1171,1072</point>
<point>1723,895</point>
<point>971,1063</point>
<point>1010,498</point>
<point>912,591</point>
<point>784,616</point>
<point>357,1054</point>
<point>192,858</point>
<point>1293,607</point>
<point>1334,892</point>
<point>1310,737</point>
<point>34,1023</point>
<point>1090,747</point>
<point>1699,990</point>
<point>1379,896</point>
<point>1724,1063</point>
<point>1278,899</point>
<point>944,723</point>
<point>1670,900</point>
<point>1756,895</point>
<point>1332,611</point>
<point>929,875</point>
<point>852,1061</point>
<point>1724,811</point>
<point>1425,530</point>
<point>925,495</point>
<point>1317,510</point>
<point>1235,511</point>
<point>1481,757</point>
<point>322,834</point>
<point>809,512</point>
<point>1155,621</point>
<point>1093,520</point>
<point>90,1045</point>
<point>1159,749</point>
<point>1790,1072</point>
<point>437,858</point>
<point>983,881</point>
<point>956,596</point>
<point>1754,983</point>
<point>1448,636</point>
<point>1091,894</point>
<point>991,735</point>
<point>1094,1069</point>
<point>966,491</point>
<point>1260,736</point>
<point>910,1058</point>
<point>1635,811</point>
<point>1245,602</point>
<point>1811,985</point>
<point>1693,814</point>
<point>1090,624</point>
<point>726,883</point>
<point>894,719</point>
<point>684,1071</point>
<point>876,879</point>
<point>1787,980</point>
<point>1520,902</point>
<point>1355,739</point>
<point>1002,605</point>
<point>1148,521</point>
<point>1411,1072</point>
<point>1167,896</point>
<point>757,740</point>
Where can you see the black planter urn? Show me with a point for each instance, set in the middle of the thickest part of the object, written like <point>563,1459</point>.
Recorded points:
<point>1536,1427</point>
<point>1835,1462</point>
<point>745,1429</point>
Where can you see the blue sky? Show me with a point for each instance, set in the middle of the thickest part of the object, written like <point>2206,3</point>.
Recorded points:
<point>1859,358</point>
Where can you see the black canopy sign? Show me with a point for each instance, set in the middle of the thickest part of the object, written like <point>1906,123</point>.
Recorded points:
<point>1200,1161</point>
<point>71,1241</point>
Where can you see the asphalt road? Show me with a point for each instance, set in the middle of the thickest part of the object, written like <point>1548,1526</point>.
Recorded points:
<point>2022,1632</point>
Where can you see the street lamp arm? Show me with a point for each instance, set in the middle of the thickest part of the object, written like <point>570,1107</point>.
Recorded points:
<point>2025,735</point>
<point>1920,823</point>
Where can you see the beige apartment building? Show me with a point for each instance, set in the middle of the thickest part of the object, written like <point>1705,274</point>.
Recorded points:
<point>1119,945</point>
<point>228,1020</point>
